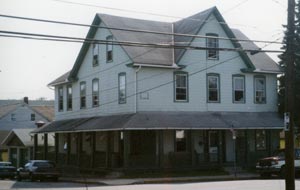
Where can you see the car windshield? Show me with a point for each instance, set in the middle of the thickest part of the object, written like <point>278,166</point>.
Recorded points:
<point>44,164</point>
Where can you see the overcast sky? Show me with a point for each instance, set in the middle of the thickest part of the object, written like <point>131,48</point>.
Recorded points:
<point>27,66</point>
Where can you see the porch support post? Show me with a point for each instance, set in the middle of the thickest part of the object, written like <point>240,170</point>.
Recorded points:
<point>93,149</point>
<point>220,147</point>
<point>193,156</point>
<point>68,148</point>
<point>161,148</point>
<point>108,149</point>
<point>45,146</point>
<point>246,148</point>
<point>79,145</point>
<point>35,146</point>
<point>18,157</point>
<point>126,138</point>
<point>56,145</point>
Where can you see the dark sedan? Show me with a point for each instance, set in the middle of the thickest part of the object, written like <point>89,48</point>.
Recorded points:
<point>7,170</point>
<point>38,170</point>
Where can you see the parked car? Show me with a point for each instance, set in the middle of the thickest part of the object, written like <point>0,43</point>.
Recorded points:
<point>7,170</point>
<point>38,170</point>
<point>276,164</point>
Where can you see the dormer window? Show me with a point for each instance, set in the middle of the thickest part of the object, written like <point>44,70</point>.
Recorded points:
<point>95,54</point>
<point>32,117</point>
<point>13,117</point>
<point>212,43</point>
<point>109,49</point>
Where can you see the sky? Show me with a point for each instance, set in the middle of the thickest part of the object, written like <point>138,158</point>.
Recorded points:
<point>27,66</point>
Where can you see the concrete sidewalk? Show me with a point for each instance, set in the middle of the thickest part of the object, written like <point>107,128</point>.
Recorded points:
<point>103,181</point>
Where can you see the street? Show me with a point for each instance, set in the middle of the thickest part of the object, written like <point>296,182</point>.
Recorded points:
<point>225,185</point>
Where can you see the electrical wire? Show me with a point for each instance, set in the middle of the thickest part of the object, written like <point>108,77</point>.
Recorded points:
<point>130,43</point>
<point>136,30</point>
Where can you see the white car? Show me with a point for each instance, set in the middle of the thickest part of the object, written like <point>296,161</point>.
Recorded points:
<point>276,164</point>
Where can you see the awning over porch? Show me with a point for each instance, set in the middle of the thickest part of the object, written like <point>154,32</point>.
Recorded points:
<point>168,120</point>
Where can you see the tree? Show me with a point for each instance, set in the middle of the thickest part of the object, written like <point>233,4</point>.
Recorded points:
<point>282,63</point>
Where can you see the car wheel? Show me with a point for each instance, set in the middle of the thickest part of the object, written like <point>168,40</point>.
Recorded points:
<point>282,172</point>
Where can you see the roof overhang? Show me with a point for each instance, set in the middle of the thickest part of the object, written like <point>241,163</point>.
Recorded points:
<point>261,71</point>
<point>168,121</point>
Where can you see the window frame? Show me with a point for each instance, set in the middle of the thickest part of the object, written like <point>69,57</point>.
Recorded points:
<point>109,53</point>
<point>216,46</point>
<point>60,99</point>
<point>13,117</point>
<point>186,86</point>
<point>123,74</point>
<point>95,55</point>
<point>82,95</point>
<point>264,91</point>
<point>264,132</point>
<point>234,90</point>
<point>218,87</point>
<point>32,117</point>
<point>95,93</point>
<point>69,97</point>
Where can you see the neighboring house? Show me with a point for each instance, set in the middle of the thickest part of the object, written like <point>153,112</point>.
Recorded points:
<point>160,108</point>
<point>17,120</point>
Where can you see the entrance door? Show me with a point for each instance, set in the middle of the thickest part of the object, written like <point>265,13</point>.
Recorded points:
<point>241,148</point>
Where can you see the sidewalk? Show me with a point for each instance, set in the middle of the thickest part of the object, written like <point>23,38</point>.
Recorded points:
<point>239,176</point>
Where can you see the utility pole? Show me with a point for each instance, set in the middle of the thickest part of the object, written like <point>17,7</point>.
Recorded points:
<point>289,99</point>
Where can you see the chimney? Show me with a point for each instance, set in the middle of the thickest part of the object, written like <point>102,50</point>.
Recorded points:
<point>26,100</point>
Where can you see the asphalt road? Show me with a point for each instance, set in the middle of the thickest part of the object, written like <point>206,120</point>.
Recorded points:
<point>226,185</point>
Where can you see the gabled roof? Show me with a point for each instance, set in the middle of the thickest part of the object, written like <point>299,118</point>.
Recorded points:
<point>261,61</point>
<point>45,111</point>
<point>161,57</point>
<point>22,134</point>
<point>6,109</point>
<point>193,24</point>
<point>60,80</point>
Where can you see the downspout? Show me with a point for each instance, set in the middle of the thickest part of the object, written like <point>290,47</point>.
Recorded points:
<point>136,89</point>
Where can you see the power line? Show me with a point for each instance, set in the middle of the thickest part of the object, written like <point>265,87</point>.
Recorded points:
<point>136,30</point>
<point>234,7</point>
<point>129,43</point>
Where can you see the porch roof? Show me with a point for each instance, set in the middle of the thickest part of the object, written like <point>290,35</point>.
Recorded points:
<point>168,120</point>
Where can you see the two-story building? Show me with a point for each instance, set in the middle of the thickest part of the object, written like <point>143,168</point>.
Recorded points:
<point>140,106</point>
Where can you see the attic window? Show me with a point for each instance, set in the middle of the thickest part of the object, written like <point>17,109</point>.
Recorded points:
<point>212,44</point>
<point>32,117</point>
<point>13,117</point>
<point>95,54</point>
<point>109,49</point>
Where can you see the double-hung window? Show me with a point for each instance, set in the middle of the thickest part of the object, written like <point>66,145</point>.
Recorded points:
<point>181,87</point>
<point>69,97</point>
<point>95,92</point>
<point>238,89</point>
<point>60,99</point>
<point>82,95</point>
<point>109,49</point>
<point>32,117</point>
<point>212,43</point>
<point>213,88</point>
<point>260,89</point>
<point>122,88</point>
<point>95,54</point>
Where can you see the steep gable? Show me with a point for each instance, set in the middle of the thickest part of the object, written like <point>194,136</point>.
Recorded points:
<point>193,24</point>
